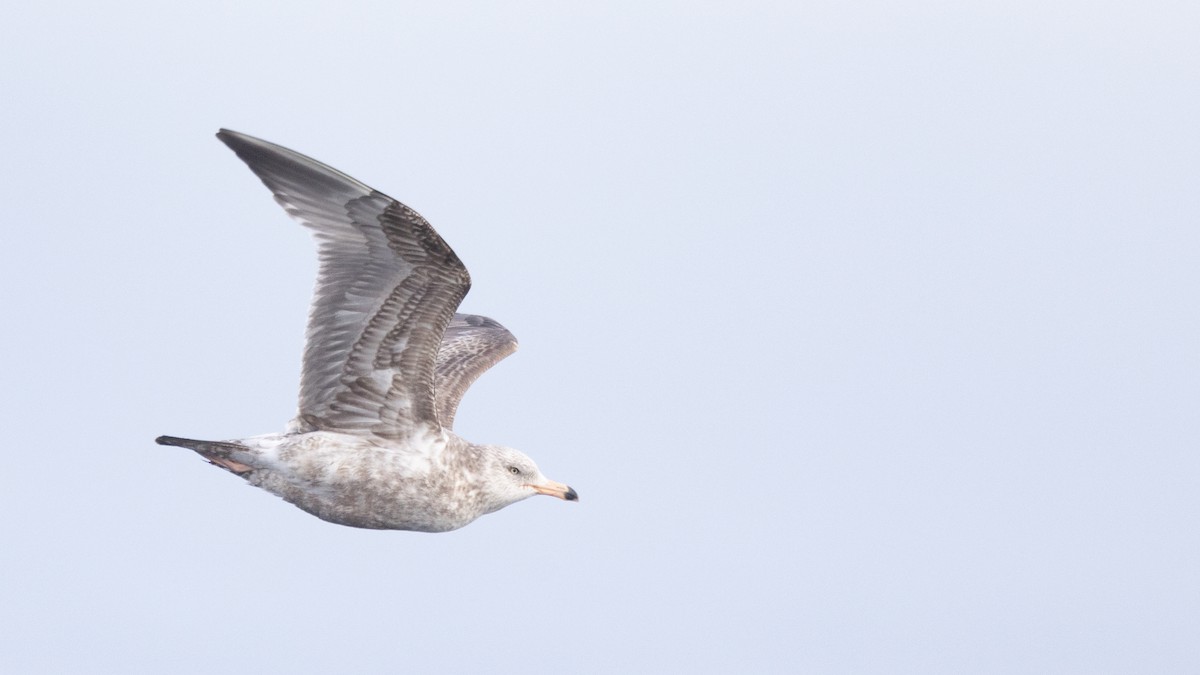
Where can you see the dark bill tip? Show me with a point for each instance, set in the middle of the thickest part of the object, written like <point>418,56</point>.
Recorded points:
<point>571,495</point>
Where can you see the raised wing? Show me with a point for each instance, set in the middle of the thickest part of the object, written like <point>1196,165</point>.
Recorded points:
<point>471,345</point>
<point>387,287</point>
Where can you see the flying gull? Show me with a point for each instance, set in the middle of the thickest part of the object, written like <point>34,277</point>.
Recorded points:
<point>386,363</point>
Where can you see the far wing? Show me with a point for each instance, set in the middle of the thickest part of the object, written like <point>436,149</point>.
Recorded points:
<point>471,345</point>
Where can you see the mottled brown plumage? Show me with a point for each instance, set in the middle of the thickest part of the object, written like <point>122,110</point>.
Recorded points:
<point>386,363</point>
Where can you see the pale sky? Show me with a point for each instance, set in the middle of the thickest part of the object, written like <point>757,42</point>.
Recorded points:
<point>867,333</point>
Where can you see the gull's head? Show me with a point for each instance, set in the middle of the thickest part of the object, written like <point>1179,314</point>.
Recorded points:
<point>511,476</point>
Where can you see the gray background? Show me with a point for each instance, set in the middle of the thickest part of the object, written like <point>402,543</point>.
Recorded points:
<point>867,333</point>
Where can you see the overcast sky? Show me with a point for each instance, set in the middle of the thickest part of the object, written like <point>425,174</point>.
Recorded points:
<point>867,333</point>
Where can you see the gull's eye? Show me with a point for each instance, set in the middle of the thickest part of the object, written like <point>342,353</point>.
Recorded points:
<point>514,471</point>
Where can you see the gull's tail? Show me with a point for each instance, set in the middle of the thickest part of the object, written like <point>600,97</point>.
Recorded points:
<point>220,453</point>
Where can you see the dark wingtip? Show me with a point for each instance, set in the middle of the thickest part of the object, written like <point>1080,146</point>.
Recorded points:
<point>172,440</point>
<point>237,141</point>
<point>572,495</point>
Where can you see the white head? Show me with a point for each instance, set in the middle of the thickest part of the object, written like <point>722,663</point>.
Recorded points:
<point>510,476</point>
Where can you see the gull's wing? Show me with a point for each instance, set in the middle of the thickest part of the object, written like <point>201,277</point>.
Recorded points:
<point>471,345</point>
<point>387,287</point>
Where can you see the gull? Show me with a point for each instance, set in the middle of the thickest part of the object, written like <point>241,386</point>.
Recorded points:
<point>386,362</point>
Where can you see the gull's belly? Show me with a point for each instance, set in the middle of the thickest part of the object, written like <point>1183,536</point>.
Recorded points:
<point>351,481</point>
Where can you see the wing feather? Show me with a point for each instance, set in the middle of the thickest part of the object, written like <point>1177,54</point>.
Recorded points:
<point>470,346</point>
<point>386,289</point>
